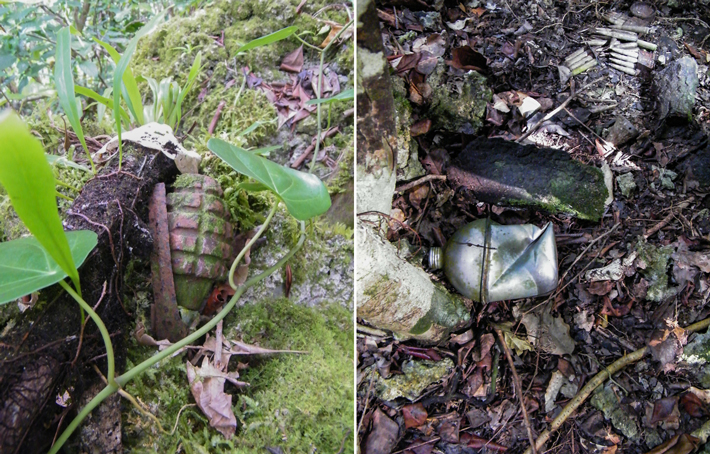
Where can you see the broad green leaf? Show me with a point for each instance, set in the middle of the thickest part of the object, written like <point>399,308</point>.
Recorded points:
<point>63,161</point>
<point>252,186</point>
<point>100,99</point>
<point>129,88</point>
<point>29,181</point>
<point>342,96</point>
<point>121,68</point>
<point>268,39</point>
<point>64,80</point>
<point>26,267</point>
<point>304,195</point>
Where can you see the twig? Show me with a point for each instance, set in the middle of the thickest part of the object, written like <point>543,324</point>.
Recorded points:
<point>218,339</point>
<point>342,444</point>
<point>314,143</point>
<point>215,118</point>
<point>424,179</point>
<point>665,221</point>
<point>595,382</point>
<point>177,419</point>
<point>534,127</point>
<point>518,389</point>
<point>123,393</point>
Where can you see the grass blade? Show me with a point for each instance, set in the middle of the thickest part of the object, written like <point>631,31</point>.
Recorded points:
<point>176,114</point>
<point>121,68</point>
<point>268,39</point>
<point>342,96</point>
<point>29,181</point>
<point>131,94</point>
<point>89,93</point>
<point>64,80</point>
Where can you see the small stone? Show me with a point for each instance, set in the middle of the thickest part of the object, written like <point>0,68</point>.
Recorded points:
<point>415,377</point>
<point>643,10</point>
<point>529,107</point>
<point>666,176</point>
<point>622,131</point>
<point>626,184</point>
<point>430,20</point>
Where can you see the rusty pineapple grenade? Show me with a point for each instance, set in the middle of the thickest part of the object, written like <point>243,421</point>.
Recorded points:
<point>200,237</point>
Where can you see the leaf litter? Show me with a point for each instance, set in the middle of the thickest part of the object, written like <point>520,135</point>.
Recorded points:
<point>636,287</point>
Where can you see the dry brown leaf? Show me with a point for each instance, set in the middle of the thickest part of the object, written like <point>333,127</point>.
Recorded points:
<point>293,62</point>
<point>334,29</point>
<point>207,386</point>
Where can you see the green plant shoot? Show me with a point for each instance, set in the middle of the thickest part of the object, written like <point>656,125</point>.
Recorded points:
<point>121,68</point>
<point>268,39</point>
<point>64,80</point>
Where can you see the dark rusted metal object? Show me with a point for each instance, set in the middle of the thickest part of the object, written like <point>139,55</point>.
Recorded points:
<point>193,249</point>
<point>164,314</point>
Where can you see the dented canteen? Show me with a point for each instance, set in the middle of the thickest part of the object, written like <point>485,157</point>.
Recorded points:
<point>487,262</point>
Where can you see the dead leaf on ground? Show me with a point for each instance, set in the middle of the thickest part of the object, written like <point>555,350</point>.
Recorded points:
<point>679,444</point>
<point>665,410</point>
<point>384,435</point>
<point>207,386</point>
<point>468,59</point>
<point>552,333</point>
<point>334,29</point>
<point>414,415</point>
<point>293,62</point>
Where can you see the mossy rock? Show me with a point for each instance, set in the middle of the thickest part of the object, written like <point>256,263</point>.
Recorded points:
<point>502,172</point>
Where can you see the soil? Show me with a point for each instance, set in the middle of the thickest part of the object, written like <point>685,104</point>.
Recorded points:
<point>521,44</point>
<point>43,358</point>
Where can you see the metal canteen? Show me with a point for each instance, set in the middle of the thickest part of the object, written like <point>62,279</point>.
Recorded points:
<point>487,262</point>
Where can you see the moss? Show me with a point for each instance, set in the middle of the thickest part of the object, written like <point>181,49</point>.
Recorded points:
<point>655,260</point>
<point>296,402</point>
<point>447,311</point>
<point>460,112</point>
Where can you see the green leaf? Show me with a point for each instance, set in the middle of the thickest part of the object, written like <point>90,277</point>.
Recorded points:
<point>26,267</point>
<point>121,68</point>
<point>268,39</point>
<point>131,93</point>
<point>100,99</point>
<point>176,114</point>
<point>342,96</point>
<point>29,181</point>
<point>304,195</point>
<point>64,80</point>
<point>63,161</point>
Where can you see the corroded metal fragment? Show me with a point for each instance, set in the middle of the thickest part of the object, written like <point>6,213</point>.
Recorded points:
<point>165,316</point>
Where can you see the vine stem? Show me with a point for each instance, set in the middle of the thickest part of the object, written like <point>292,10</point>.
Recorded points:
<point>595,382</point>
<point>251,242</point>
<point>102,328</point>
<point>122,380</point>
<point>320,89</point>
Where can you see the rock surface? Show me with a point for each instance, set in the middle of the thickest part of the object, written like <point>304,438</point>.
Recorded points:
<point>676,86</point>
<point>503,172</point>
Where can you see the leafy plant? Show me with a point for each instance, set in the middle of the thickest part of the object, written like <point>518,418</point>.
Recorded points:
<point>25,266</point>
<point>64,81</point>
<point>304,195</point>
<point>168,97</point>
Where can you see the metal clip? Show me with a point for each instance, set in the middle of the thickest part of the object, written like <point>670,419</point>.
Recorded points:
<point>487,262</point>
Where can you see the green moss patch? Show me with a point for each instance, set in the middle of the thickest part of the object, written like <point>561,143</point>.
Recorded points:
<point>295,402</point>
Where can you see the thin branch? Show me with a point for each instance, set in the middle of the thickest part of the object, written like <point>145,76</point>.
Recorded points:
<point>518,389</point>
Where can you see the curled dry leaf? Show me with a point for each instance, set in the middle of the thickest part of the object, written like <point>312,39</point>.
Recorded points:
<point>207,386</point>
